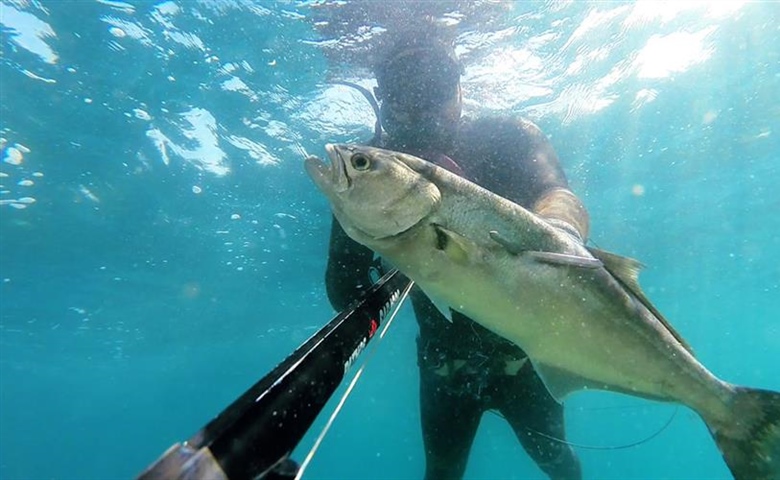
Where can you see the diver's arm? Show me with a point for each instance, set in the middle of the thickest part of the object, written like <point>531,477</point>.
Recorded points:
<point>551,197</point>
<point>564,210</point>
<point>347,273</point>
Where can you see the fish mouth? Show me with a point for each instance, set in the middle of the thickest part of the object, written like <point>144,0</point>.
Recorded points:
<point>341,179</point>
<point>331,178</point>
<point>318,172</point>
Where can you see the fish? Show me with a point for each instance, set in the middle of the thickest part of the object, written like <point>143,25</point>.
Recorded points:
<point>578,312</point>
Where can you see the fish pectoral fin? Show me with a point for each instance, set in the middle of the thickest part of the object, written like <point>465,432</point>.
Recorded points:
<point>565,259</point>
<point>457,247</point>
<point>560,383</point>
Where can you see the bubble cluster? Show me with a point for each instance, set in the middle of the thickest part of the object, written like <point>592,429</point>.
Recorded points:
<point>14,172</point>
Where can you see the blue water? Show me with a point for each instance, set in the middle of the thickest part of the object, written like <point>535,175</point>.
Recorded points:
<point>161,247</point>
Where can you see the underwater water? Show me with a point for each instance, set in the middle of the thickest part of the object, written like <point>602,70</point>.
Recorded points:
<point>161,247</point>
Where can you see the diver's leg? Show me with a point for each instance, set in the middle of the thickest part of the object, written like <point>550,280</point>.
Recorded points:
<point>449,424</point>
<point>529,408</point>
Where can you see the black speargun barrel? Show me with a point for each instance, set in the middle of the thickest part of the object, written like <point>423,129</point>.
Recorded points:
<point>254,436</point>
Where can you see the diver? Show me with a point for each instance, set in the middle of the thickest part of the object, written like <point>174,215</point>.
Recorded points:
<point>465,370</point>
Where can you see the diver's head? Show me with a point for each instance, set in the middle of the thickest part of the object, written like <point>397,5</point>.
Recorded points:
<point>418,83</point>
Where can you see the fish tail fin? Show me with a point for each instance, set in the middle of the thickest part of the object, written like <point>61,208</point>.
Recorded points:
<point>750,439</point>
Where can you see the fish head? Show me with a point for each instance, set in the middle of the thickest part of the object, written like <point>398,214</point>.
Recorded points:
<point>374,193</point>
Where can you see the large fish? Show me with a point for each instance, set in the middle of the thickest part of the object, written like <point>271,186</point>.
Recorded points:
<point>577,312</point>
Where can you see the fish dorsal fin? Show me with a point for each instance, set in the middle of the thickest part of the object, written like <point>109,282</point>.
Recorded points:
<point>626,271</point>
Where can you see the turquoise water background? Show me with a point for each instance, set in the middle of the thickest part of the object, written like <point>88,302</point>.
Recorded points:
<point>161,247</point>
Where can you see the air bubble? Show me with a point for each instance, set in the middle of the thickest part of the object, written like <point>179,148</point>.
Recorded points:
<point>117,32</point>
<point>13,156</point>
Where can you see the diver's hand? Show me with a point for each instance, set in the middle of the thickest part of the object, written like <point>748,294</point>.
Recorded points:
<point>565,227</point>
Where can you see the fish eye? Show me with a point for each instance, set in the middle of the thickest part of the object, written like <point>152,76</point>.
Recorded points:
<point>360,161</point>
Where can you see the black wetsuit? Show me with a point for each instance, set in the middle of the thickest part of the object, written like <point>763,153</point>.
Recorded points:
<point>465,369</point>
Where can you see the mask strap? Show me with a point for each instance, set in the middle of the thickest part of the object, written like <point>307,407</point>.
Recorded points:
<point>377,139</point>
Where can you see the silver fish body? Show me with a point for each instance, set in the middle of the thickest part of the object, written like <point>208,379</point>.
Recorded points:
<point>577,312</point>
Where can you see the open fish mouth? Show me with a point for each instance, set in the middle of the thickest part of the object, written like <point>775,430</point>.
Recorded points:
<point>331,178</point>
<point>341,180</point>
<point>319,172</point>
